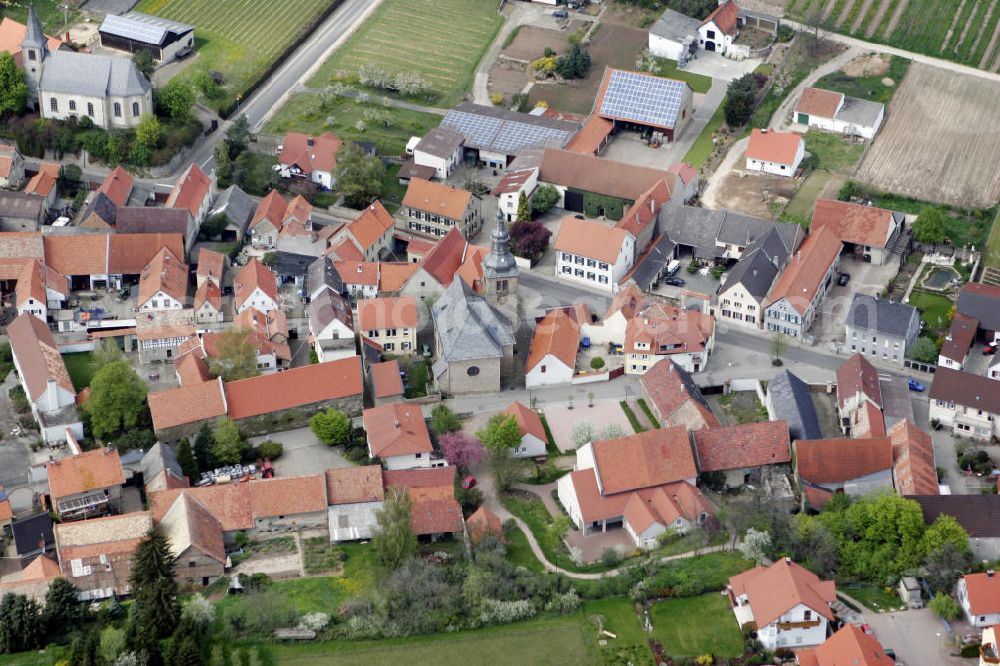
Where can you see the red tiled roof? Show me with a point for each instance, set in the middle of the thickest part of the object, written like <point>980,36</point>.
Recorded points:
<point>869,422</point>
<point>665,388</point>
<point>858,375</point>
<point>484,522</point>
<point>444,260</point>
<point>684,171</point>
<point>37,355</point>
<point>91,470</point>
<point>853,223</point>
<point>437,198</point>
<point>841,460</point>
<point>512,181</point>
<point>85,254</point>
<point>913,460</point>
<point>772,146</point>
<point>388,312</point>
<point>190,190</point>
<point>643,212</point>
<point>589,238</point>
<point>393,275</point>
<point>192,369</point>
<point>665,329</point>
<point>288,496</point>
<point>31,283</point>
<point>726,17</point>
<point>774,590</point>
<point>350,485</point>
<point>299,209</point>
<point>743,446</point>
<point>211,264</point>
<point>849,647</point>
<point>310,153</point>
<point>117,186</point>
<point>271,208</point>
<point>165,273</point>
<point>229,503</point>
<point>210,293</point>
<point>528,420</point>
<point>386,381</point>
<point>643,460</point>
<point>12,36</point>
<point>255,274</point>
<point>592,135</point>
<point>396,430</point>
<point>296,387</point>
<point>371,225</point>
<point>594,174</point>
<point>984,593</point>
<point>432,492</point>
<point>128,254</point>
<point>803,275</point>
<point>187,404</point>
<point>961,335</point>
<point>359,272</point>
<point>190,523</point>
<point>556,334</point>
<point>819,102</point>
<point>45,180</point>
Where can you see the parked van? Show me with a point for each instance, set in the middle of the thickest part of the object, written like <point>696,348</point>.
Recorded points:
<point>673,267</point>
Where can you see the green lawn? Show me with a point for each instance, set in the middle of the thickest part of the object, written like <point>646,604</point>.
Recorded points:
<point>630,415</point>
<point>7,362</point>
<point>649,412</point>
<point>441,40</point>
<point>668,68</point>
<point>617,616</point>
<point>804,199</point>
<point>240,39</point>
<point>934,309</point>
<point>315,114</point>
<point>81,367</point>
<point>833,152</point>
<point>562,640</point>
<point>697,625</point>
<point>867,87</point>
<point>992,254</point>
<point>701,149</point>
<point>519,551</point>
<point>416,376</point>
<point>53,18</point>
<point>875,598</point>
<point>533,512</point>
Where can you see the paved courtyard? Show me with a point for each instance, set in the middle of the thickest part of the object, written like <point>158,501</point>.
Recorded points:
<point>918,637</point>
<point>561,419</point>
<point>304,454</point>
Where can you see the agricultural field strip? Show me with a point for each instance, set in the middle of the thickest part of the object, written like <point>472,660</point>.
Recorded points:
<point>863,10</point>
<point>895,17</point>
<point>256,30</point>
<point>882,14</point>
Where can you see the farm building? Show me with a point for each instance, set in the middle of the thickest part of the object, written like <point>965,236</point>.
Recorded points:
<point>493,136</point>
<point>777,153</point>
<point>645,102</point>
<point>836,112</point>
<point>674,36</point>
<point>134,31</point>
<point>871,234</point>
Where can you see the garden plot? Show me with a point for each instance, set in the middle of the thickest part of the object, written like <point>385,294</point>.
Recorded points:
<point>940,142</point>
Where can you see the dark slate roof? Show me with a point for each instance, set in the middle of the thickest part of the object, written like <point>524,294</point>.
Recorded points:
<point>21,205</point>
<point>692,226</point>
<point>160,457</point>
<point>743,230</point>
<point>652,262</point>
<point>92,75</point>
<point>103,207</point>
<point>700,228</point>
<point>30,532</point>
<point>978,514</point>
<point>136,220</point>
<point>290,264</point>
<point>676,26</point>
<point>235,204</point>
<point>468,327</point>
<point>981,302</point>
<point>323,273</point>
<point>878,314</point>
<point>143,28</point>
<point>755,271</point>
<point>792,401</point>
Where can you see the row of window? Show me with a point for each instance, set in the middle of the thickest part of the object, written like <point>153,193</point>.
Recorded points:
<point>885,343</point>
<point>749,307</point>
<point>389,332</point>
<point>591,263</point>
<point>391,346</point>
<point>419,215</point>
<point>116,108</point>
<point>739,316</point>
<point>423,228</point>
<point>782,329</point>
<point>579,272</point>
<point>790,317</point>
<point>885,354</point>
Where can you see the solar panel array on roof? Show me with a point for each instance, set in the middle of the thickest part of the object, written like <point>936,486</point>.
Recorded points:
<point>505,132</point>
<point>642,98</point>
<point>142,27</point>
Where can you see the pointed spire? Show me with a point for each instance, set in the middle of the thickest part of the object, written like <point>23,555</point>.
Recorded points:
<point>34,37</point>
<point>500,262</point>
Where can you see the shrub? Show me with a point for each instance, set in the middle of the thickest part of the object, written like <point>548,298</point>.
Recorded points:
<point>270,449</point>
<point>597,363</point>
<point>505,612</point>
<point>945,607</point>
<point>785,34</point>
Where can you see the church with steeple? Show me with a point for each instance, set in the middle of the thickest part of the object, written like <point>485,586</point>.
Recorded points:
<point>499,267</point>
<point>66,84</point>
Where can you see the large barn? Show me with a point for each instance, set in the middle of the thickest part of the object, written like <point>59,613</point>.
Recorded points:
<point>133,32</point>
<point>645,102</point>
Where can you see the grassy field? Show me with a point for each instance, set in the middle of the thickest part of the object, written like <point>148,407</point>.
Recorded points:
<point>801,59</point>
<point>801,205</point>
<point>871,88</point>
<point>563,640</point>
<point>314,114</point>
<point>934,309</point>
<point>991,257</point>
<point>833,152</point>
<point>441,40</point>
<point>668,68</point>
<point>965,31</point>
<point>81,368</point>
<point>53,18</point>
<point>875,598</point>
<point>519,551</point>
<point>240,39</point>
<point>697,625</point>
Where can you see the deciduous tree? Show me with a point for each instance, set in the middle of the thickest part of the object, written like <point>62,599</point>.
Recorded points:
<point>930,225</point>
<point>149,131</point>
<point>187,461</point>
<point>502,433</point>
<point>229,445</point>
<point>461,450</point>
<point>529,239</point>
<point>332,427</point>
<point>924,349</point>
<point>236,357</point>
<point>359,176</point>
<point>443,420</point>
<point>176,98</point>
<point>117,399</point>
<point>545,197</point>
<point>143,61</point>
<point>13,87</point>
<point>393,538</point>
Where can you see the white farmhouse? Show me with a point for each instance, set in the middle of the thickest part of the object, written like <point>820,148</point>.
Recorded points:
<point>777,153</point>
<point>789,605</point>
<point>593,254</point>
<point>836,112</point>
<point>355,497</point>
<point>533,437</point>
<point>552,356</point>
<point>440,149</point>
<point>979,597</point>
<point>720,28</point>
<point>674,36</point>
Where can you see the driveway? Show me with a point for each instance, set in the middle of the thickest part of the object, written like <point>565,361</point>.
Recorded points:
<point>304,454</point>
<point>716,66</point>
<point>734,158</point>
<point>866,278</point>
<point>783,116</point>
<point>917,636</point>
